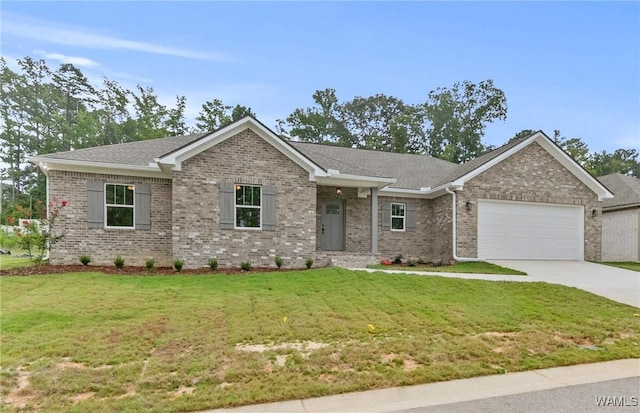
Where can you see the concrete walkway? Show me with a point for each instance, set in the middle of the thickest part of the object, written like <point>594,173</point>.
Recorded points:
<point>614,283</point>
<point>433,394</point>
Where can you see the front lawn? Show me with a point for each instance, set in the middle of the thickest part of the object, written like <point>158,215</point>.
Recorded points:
<point>633,266</point>
<point>8,262</point>
<point>471,267</point>
<point>93,342</point>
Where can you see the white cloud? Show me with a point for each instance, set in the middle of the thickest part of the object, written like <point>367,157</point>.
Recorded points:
<point>74,60</point>
<point>50,32</point>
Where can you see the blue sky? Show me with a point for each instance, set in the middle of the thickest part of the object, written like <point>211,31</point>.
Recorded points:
<point>572,66</point>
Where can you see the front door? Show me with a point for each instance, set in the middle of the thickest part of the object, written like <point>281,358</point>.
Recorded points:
<point>332,225</point>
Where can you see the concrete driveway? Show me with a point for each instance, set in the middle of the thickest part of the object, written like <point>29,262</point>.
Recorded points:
<point>614,283</point>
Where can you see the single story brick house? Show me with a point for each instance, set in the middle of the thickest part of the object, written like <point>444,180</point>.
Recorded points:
<point>242,193</point>
<point>621,219</point>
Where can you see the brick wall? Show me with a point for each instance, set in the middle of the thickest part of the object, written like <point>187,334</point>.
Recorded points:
<point>411,245</point>
<point>102,245</point>
<point>243,158</point>
<point>621,235</point>
<point>441,228</point>
<point>531,175</point>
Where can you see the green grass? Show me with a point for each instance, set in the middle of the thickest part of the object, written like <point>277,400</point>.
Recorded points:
<point>93,342</point>
<point>11,261</point>
<point>472,267</point>
<point>633,266</point>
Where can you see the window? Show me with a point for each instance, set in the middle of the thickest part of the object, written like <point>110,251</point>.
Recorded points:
<point>119,205</point>
<point>398,217</point>
<point>248,206</point>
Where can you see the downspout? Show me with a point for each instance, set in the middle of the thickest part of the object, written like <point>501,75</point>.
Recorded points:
<point>455,237</point>
<point>46,186</point>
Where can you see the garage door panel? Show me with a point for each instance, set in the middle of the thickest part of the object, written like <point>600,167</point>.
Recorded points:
<point>521,230</point>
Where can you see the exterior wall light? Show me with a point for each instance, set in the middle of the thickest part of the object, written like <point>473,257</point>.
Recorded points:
<point>468,205</point>
<point>338,191</point>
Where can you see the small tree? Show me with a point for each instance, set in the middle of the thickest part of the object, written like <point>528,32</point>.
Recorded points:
<point>39,238</point>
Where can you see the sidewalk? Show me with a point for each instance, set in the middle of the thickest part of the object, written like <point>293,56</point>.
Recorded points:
<point>433,394</point>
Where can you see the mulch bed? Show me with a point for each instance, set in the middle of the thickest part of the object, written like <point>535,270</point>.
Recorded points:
<point>129,270</point>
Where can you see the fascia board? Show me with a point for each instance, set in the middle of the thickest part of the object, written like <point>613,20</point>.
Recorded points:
<point>355,180</point>
<point>426,193</point>
<point>48,164</point>
<point>621,207</point>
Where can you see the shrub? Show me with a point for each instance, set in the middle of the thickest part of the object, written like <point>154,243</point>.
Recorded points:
<point>411,263</point>
<point>309,263</point>
<point>398,259</point>
<point>178,264</point>
<point>8,239</point>
<point>119,262</point>
<point>150,265</point>
<point>213,264</point>
<point>246,266</point>
<point>38,238</point>
<point>278,261</point>
<point>85,259</point>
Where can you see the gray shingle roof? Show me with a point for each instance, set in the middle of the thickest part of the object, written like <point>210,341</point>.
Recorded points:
<point>411,171</point>
<point>626,190</point>
<point>139,153</point>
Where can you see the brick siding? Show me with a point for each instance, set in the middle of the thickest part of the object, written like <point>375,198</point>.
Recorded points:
<point>621,235</point>
<point>103,245</point>
<point>243,158</point>
<point>530,175</point>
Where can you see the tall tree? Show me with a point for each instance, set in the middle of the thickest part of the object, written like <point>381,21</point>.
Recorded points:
<point>74,93</point>
<point>317,124</point>
<point>215,114</point>
<point>624,161</point>
<point>175,123</point>
<point>458,117</point>
<point>150,114</point>
<point>382,123</point>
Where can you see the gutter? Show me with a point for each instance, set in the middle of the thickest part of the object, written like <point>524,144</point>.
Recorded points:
<point>454,228</point>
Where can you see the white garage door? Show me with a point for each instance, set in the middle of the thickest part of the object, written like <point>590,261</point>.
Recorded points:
<point>530,231</point>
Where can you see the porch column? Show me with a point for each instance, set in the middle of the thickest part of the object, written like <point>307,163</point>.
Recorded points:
<point>374,220</point>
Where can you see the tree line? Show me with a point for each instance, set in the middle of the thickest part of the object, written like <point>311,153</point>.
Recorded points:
<point>45,110</point>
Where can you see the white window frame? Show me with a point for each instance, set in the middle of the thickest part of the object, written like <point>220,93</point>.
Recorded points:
<point>404,217</point>
<point>132,206</point>
<point>236,206</point>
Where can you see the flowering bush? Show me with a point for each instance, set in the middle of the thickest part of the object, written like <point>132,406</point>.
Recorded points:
<point>38,238</point>
<point>386,262</point>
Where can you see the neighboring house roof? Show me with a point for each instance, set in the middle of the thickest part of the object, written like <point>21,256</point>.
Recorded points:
<point>407,174</point>
<point>626,191</point>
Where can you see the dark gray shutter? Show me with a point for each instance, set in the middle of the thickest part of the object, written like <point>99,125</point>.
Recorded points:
<point>411,217</point>
<point>95,204</point>
<point>386,216</point>
<point>226,205</point>
<point>143,206</point>
<point>269,208</point>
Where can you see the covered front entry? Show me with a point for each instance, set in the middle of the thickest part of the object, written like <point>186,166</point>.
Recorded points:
<point>530,231</point>
<point>332,223</point>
